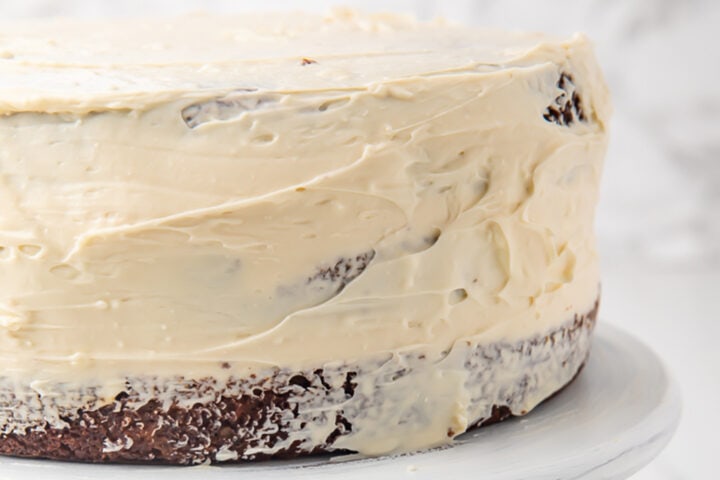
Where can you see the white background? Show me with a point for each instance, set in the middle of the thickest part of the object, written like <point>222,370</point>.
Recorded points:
<point>659,216</point>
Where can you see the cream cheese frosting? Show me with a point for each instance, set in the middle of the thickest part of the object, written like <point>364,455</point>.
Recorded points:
<point>287,190</point>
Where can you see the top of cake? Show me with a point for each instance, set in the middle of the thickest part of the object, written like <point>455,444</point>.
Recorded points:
<point>76,66</point>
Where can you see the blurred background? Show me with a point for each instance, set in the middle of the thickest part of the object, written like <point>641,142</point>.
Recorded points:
<point>659,216</point>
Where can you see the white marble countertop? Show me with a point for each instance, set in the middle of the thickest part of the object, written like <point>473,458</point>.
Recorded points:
<point>659,217</point>
<point>677,314</point>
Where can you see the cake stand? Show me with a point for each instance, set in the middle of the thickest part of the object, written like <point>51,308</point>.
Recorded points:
<point>612,420</point>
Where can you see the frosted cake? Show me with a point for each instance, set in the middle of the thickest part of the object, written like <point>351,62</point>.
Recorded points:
<point>262,236</point>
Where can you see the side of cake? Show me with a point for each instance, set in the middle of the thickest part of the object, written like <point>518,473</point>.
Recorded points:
<point>289,234</point>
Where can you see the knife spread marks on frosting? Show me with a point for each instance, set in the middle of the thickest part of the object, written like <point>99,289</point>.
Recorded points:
<point>179,205</point>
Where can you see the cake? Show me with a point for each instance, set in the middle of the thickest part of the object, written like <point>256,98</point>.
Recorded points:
<point>233,238</point>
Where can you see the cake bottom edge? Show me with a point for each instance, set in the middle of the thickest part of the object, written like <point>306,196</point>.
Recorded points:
<point>287,414</point>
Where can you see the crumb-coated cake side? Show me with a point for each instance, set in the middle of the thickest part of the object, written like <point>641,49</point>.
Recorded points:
<point>289,234</point>
<point>272,414</point>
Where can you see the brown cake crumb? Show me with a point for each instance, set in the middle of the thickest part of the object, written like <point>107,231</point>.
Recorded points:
<point>567,107</point>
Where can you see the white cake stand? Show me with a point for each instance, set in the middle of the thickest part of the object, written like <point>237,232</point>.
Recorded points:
<point>610,422</point>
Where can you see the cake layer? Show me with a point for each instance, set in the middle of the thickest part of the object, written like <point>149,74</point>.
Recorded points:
<point>415,184</point>
<point>417,401</point>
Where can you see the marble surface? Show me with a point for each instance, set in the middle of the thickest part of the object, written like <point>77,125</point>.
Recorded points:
<point>659,216</point>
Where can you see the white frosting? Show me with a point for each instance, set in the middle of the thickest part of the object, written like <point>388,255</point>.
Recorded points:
<point>166,203</point>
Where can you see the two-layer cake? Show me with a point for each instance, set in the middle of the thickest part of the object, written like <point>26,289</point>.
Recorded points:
<point>242,237</point>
